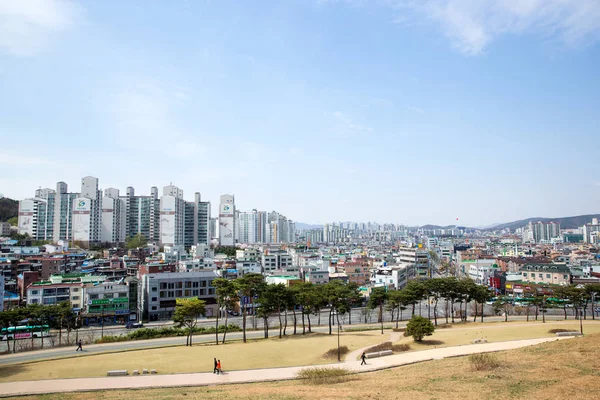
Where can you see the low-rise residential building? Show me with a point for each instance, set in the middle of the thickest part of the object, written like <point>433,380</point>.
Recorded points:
<point>48,293</point>
<point>553,274</point>
<point>316,277</point>
<point>357,272</point>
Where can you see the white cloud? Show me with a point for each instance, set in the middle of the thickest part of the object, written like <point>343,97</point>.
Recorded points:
<point>28,26</point>
<point>415,109</point>
<point>349,123</point>
<point>472,25</point>
<point>145,116</point>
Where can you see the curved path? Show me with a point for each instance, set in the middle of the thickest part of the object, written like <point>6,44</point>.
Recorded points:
<point>260,375</point>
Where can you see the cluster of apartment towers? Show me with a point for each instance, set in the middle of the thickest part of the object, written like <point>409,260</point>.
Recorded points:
<point>90,218</point>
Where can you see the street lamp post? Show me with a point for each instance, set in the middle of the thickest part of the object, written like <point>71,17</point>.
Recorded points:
<point>339,356</point>
<point>593,305</point>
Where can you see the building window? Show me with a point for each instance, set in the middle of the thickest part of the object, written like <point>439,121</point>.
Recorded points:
<point>34,301</point>
<point>154,299</point>
<point>179,293</point>
<point>153,308</point>
<point>188,284</point>
<point>171,293</point>
<point>186,293</point>
<point>565,276</point>
<point>548,276</point>
<point>194,292</point>
<point>34,292</point>
<point>75,289</point>
<point>195,284</point>
<point>93,296</point>
<point>75,298</point>
<point>154,288</point>
<point>122,294</point>
<point>163,285</point>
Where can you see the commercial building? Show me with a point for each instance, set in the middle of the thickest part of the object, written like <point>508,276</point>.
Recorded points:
<point>159,292</point>
<point>108,300</point>
<point>417,257</point>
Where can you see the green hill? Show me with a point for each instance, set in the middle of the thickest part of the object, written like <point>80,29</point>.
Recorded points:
<point>9,208</point>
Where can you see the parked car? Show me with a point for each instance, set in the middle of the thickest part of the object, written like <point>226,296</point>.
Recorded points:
<point>131,325</point>
<point>234,313</point>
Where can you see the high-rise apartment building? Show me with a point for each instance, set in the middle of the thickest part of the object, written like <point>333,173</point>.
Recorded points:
<point>86,224</point>
<point>542,231</point>
<point>248,227</point>
<point>114,217</point>
<point>227,220</point>
<point>142,215</point>
<point>172,216</point>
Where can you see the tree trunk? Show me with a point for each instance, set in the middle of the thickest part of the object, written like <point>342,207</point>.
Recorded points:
<point>536,312</point>
<point>286,321</point>
<point>435,311</point>
<point>446,311</point>
<point>217,326</point>
<point>225,332</point>
<point>244,322</point>
<point>505,314</point>
<point>527,311</point>
<point>303,323</point>
<point>295,320</point>
<point>397,316</point>
<point>266,326</point>
<point>452,310</point>
<point>413,309</point>
<point>330,316</point>
<point>308,319</point>
<point>565,309</point>
<point>280,323</point>
<point>380,316</point>
<point>349,315</point>
<point>475,318</point>
<point>428,309</point>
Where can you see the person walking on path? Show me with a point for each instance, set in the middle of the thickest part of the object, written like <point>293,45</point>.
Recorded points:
<point>215,367</point>
<point>79,348</point>
<point>219,370</point>
<point>364,359</point>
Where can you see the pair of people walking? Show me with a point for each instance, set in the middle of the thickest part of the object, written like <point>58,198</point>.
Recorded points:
<point>217,367</point>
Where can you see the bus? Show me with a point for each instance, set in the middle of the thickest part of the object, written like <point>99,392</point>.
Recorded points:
<point>25,332</point>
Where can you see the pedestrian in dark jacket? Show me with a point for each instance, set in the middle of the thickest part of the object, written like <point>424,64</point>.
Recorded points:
<point>364,359</point>
<point>215,367</point>
<point>79,346</point>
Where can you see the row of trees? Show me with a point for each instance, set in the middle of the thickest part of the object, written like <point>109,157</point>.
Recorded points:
<point>575,297</point>
<point>59,316</point>
<point>297,303</point>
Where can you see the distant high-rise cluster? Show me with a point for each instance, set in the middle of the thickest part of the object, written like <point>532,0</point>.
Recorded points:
<point>88,217</point>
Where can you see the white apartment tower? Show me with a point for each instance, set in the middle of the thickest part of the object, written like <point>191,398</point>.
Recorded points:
<point>114,217</point>
<point>172,216</point>
<point>86,212</point>
<point>248,227</point>
<point>197,222</point>
<point>227,220</point>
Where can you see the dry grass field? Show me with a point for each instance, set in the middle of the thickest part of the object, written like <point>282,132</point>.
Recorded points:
<point>271,353</point>
<point>567,369</point>
<point>461,334</point>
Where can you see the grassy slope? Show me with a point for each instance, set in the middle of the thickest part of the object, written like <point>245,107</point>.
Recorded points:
<point>558,370</point>
<point>275,352</point>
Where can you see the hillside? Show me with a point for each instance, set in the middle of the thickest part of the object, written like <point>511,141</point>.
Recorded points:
<point>565,222</point>
<point>9,208</point>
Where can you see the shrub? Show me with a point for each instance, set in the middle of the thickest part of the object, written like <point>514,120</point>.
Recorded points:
<point>418,327</point>
<point>320,375</point>
<point>559,330</point>
<point>332,353</point>
<point>396,348</point>
<point>151,333</point>
<point>484,362</point>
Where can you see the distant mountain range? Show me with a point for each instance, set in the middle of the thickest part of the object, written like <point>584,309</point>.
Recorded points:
<point>302,225</point>
<point>9,208</point>
<point>565,222</point>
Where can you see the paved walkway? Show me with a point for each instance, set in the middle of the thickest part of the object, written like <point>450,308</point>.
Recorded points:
<point>261,375</point>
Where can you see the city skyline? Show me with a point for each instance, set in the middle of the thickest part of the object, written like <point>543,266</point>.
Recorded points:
<point>381,111</point>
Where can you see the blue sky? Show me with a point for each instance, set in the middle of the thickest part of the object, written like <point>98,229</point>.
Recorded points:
<point>382,110</point>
